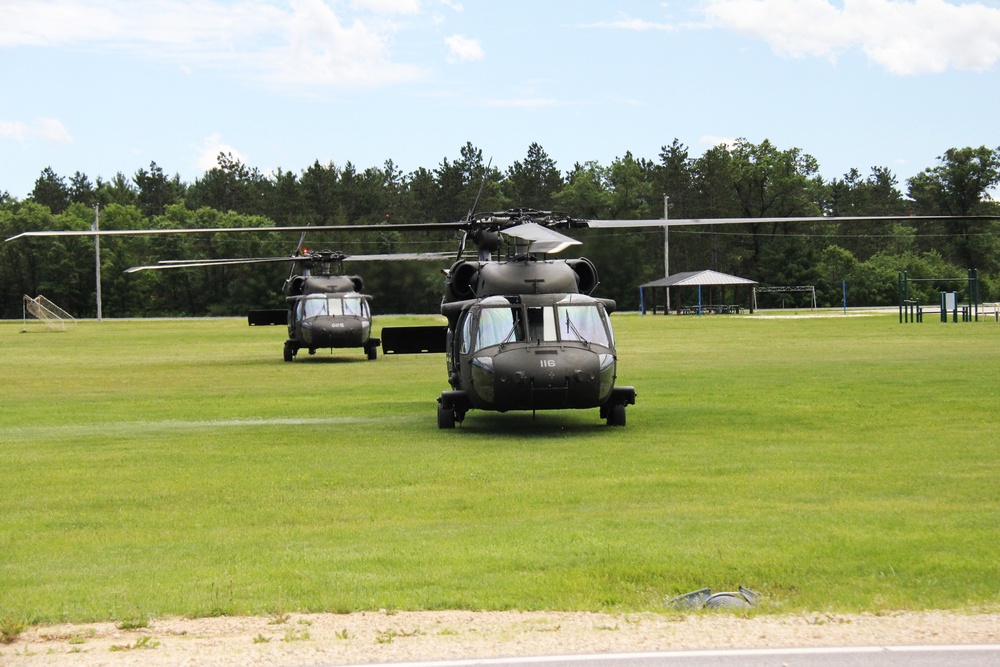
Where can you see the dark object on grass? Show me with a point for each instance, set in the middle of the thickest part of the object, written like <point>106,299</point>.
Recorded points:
<point>744,598</point>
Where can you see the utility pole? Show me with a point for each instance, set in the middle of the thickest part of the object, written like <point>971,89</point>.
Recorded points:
<point>97,256</point>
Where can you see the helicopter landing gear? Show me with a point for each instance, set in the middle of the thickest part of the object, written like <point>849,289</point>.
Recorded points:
<point>614,409</point>
<point>371,349</point>
<point>616,415</point>
<point>290,350</point>
<point>452,406</point>
<point>446,417</point>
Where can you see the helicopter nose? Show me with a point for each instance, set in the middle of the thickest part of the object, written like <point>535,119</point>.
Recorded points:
<point>332,332</point>
<point>528,380</point>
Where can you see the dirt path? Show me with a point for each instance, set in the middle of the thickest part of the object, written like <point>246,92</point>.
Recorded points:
<point>311,639</point>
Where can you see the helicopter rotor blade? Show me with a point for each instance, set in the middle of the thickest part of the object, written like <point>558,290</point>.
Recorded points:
<point>415,227</point>
<point>540,239</point>
<point>298,249</point>
<point>404,256</point>
<point>499,220</point>
<point>317,257</point>
<point>482,183</point>
<point>679,222</point>
<point>189,264</point>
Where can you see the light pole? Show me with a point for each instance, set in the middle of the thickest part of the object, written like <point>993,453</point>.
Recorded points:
<point>666,243</point>
<point>97,256</point>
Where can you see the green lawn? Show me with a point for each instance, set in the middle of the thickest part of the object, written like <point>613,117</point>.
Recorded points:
<point>181,467</point>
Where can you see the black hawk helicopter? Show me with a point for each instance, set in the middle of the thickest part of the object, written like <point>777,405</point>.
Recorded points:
<point>326,309</point>
<point>523,331</point>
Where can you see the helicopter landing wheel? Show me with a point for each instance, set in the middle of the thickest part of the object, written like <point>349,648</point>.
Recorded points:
<point>446,417</point>
<point>372,351</point>
<point>616,415</point>
<point>289,352</point>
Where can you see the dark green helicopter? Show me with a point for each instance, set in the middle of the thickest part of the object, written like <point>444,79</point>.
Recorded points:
<point>325,308</point>
<point>523,331</point>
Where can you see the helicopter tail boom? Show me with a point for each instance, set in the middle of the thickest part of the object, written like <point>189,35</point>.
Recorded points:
<point>414,340</point>
<point>267,317</point>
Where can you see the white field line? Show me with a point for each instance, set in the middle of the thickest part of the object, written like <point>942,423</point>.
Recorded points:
<point>127,427</point>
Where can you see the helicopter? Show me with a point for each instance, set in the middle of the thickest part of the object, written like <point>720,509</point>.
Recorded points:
<point>326,309</point>
<point>523,332</point>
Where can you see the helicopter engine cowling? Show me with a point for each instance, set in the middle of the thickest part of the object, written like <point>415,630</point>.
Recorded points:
<point>527,276</point>
<point>328,284</point>
<point>586,274</point>
<point>295,285</point>
<point>463,281</point>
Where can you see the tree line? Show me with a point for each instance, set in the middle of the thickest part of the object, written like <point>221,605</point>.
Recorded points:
<point>742,179</point>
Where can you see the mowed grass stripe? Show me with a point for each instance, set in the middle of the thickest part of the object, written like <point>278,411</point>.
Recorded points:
<point>180,467</point>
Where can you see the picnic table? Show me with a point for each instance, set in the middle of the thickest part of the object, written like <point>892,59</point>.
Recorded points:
<point>727,309</point>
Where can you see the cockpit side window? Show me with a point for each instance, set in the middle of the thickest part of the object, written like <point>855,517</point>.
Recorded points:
<point>466,332</point>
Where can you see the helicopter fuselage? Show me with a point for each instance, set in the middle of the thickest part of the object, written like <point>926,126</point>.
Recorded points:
<point>529,340</point>
<point>328,312</point>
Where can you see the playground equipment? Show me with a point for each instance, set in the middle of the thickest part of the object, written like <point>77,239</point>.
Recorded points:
<point>911,310</point>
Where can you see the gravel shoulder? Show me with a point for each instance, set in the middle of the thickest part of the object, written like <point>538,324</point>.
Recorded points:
<point>386,637</point>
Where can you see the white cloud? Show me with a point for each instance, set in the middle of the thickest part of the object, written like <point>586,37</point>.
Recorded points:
<point>388,6</point>
<point>462,48</point>
<point>12,129</point>
<point>155,25</point>
<point>713,141</point>
<point>52,129</point>
<point>47,129</point>
<point>916,37</point>
<point>301,42</point>
<point>208,153</point>
<point>625,22</point>
<point>522,103</point>
<point>319,49</point>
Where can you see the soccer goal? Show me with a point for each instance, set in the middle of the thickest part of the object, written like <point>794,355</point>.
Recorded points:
<point>811,289</point>
<point>48,313</point>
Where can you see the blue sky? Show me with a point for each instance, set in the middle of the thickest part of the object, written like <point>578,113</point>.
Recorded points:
<point>102,86</point>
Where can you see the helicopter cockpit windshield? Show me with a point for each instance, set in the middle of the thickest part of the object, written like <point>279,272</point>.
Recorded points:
<point>574,319</point>
<point>585,323</point>
<point>333,305</point>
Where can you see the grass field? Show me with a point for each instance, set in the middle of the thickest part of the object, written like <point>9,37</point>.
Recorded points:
<point>181,467</point>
